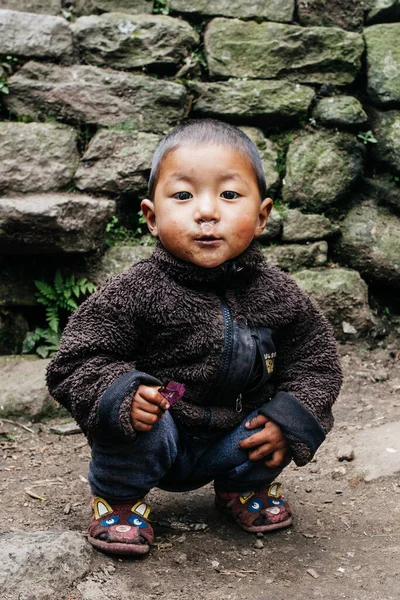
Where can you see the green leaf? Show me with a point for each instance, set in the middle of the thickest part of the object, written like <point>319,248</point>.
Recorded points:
<point>46,290</point>
<point>43,351</point>
<point>90,287</point>
<point>42,300</point>
<point>29,342</point>
<point>71,305</point>
<point>52,318</point>
<point>58,282</point>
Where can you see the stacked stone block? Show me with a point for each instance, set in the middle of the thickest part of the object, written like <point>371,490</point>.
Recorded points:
<point>87,90</point>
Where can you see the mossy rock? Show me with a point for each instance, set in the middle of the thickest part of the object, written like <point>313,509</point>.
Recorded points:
<point>247,49</point>
<point>340,111</point>
<point>370,243</point>
<point>321,168</point>
<point>383,63</point>
<point>342,296</point>
<point>386,127</point>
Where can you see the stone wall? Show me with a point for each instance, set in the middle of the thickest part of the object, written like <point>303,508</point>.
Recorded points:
<point>87,89</point>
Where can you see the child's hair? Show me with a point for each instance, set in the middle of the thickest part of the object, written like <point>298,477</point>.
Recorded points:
<point>207,131</point>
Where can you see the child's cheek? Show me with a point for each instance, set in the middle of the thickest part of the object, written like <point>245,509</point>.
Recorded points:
<point>244,228</point>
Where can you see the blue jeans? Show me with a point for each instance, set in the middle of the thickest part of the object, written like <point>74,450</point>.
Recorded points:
<point>176,459</point>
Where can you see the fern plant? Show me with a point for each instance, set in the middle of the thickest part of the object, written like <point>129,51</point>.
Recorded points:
<point>59,299</point>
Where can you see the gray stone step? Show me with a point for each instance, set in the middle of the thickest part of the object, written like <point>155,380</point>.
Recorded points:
<point>53,223</point>
<point>377,451</point>
<point>40,564</point>
<point>96,96</point>
<point>272,10</point>
<point>124,41</point>
<point>271,102</point>
<point>34,35</point>
<point>36,157</point>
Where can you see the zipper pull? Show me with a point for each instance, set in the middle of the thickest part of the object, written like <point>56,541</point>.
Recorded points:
<point>239,404</point>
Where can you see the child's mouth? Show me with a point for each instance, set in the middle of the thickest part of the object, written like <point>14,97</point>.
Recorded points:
<point>207,240</point>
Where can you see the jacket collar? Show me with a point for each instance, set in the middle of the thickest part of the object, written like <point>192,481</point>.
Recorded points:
<point>231,273</point>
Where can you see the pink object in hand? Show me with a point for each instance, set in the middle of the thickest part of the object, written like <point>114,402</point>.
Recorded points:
<point>173,392</point>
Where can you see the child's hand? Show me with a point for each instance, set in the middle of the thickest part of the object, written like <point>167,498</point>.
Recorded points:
<point>270,442</point>
<point>148,407</point>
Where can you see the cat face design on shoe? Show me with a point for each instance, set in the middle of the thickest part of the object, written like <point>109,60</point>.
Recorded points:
<point>140,511</point>
<point>274,500</point>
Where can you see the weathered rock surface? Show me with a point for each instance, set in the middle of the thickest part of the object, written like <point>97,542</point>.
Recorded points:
<point>273,230</point>
<point>96,96</point>
<point>370,243</point>
<point>23,389</point>
<point>117,161</point>
<point>385,190</point>
<point>383,11</point>
<point>344,111</point>
<point>292,257</point>
<point>130,41</point>
<point>331,13</point>
<point>48,7</point>
<point>299,227</point>
<point>237,48</point>
<point>268,154</point>
<point>377,451</point>
<point>383,63</point>
<point>53,223</point>
<point>118,259</point>
<point>13,329</point>
<point>40,564</point>
<point>267,101</point>
<point>321,168</point>
<point>33,35</point>
<point>342,296</point>
<point>36,157</point>
<point>127,6</point>
<point>386,127</point>
<point>272,10</point>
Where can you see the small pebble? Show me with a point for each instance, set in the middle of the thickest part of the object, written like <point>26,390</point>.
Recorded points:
<point>339,472</point>
<point>345,452</point>
<point>67,508</point>
<point>181,559</point>
<point>313,573</point>
<point>308,489</point>
<point>260,534</point>
<point>258,544</point>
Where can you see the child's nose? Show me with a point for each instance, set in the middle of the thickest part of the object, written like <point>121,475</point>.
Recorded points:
<point>207,209</point>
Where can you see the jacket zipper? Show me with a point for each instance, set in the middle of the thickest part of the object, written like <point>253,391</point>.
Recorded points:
<point>228,343</point>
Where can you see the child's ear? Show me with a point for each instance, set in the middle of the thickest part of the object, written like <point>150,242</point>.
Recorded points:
<point>264,212</point>
<point>147,207</point>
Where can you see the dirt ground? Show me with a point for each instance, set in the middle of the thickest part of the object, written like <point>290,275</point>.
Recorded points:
<point>344,543</point>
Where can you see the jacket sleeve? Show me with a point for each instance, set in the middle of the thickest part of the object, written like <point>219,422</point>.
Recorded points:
<point>308,381</point>
<point>94,372</point>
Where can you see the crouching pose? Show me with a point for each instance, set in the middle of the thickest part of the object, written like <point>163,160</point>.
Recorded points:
<point>202,363</point>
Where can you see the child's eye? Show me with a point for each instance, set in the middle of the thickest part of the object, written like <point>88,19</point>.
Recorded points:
<point>183,195</point>
<point>228,195</point>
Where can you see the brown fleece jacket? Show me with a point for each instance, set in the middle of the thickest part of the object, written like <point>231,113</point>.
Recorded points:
<point>162,317</point>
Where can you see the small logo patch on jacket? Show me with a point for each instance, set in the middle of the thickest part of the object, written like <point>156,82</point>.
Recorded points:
<point>270,361</point>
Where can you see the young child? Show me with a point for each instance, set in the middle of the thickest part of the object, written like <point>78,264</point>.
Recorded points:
<point>257,359</point>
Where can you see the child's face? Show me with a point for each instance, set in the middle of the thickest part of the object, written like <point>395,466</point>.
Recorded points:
<point>206,207</point>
